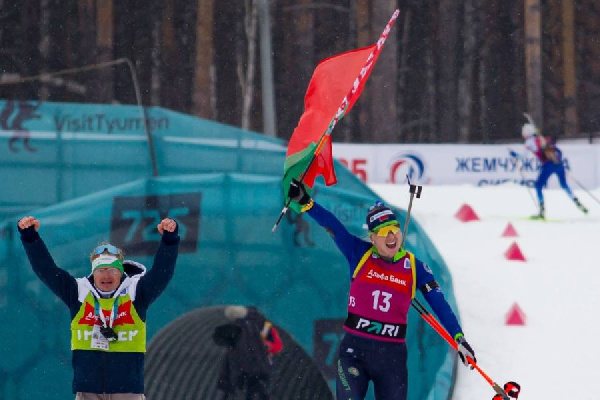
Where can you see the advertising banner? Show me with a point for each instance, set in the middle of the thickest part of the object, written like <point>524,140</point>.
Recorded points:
<point>444,164</point>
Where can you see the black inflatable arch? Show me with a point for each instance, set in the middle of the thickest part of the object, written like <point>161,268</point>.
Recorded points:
<point>183,363</point>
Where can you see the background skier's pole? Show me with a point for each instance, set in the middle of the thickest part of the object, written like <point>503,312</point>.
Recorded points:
<point>582,187</point>
<point>519,165</point>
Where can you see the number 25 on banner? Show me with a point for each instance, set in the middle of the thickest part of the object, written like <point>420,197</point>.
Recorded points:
<point>357,166</point>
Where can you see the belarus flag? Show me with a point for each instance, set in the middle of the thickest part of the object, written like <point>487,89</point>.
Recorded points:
<point>334,87</point>
<point>331,81</point>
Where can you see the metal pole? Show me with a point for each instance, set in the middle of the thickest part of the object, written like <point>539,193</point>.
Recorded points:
<point>266,68</point>
<point>138,98</point>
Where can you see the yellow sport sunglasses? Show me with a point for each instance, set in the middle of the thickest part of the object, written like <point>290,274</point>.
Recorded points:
<point>383,232</point>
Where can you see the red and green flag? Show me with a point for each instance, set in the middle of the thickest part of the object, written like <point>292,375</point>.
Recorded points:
<point>334,87</point>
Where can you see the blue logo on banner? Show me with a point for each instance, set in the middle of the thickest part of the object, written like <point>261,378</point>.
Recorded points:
<point>406,165</point>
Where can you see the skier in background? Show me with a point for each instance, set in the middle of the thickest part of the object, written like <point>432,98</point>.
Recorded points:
<point>550,156</point>
<point>383,280</point>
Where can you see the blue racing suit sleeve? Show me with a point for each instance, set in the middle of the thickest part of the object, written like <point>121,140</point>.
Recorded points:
<point>352,247</point>
<point>59,281</point>
<point>436,300</point>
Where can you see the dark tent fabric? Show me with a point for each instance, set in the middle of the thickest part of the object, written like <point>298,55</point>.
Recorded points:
<point>183,362</point>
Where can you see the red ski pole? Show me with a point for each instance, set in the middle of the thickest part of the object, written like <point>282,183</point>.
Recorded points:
<point>433,322</point>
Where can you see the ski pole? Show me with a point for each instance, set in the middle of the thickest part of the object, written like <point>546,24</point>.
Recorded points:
<point>433,322</point>
<point>427,316</point>
<point>582,187</point>
<point>523,180</point>
<point>530,120</point>
<point>414,190</point>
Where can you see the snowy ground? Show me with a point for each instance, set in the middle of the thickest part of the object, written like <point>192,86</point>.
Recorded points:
<point>556,354</point>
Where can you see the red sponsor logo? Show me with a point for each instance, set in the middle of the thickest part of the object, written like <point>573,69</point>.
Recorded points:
<point>393,279</point>
<point>123,315</point>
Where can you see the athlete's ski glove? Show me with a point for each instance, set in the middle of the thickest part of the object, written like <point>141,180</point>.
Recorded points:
<point>464,351</point>
<point>298,192</point>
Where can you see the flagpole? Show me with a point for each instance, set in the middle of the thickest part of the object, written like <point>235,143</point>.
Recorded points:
<point>343,106</point>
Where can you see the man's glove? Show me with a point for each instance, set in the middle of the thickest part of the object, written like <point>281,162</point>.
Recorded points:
<point>297,192</point>
<point>464,351</point>
<point>513,154</point>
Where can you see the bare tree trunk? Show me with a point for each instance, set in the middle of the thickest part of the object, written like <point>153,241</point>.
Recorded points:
<point>26,43</point>
<point>569,75</point>
<point>483,81</point>
<point>552,70</point>
<point>363,38</point>
<point>104,42</point>
<point>402,134</point>
<point>9,50</point>
<point>518,89</point>
<point>246,77</point>
<point>465,84</point>
<point>430,105</point>
<point>483,101</point>
<point>533,58</point>
<point>363,23</point>
<point>204,96</point>
<point>4,24</point>
<point>588,24</point>
<point>155,55</point>
<point>294,64</point>
<point>304,37</point>
<point>18,46</point>
<point>44,46</point>
<point>384,123</point>
<point>448,40</point>
<point>350,131</point>
<point>171,93</point>
<point>89,39</point>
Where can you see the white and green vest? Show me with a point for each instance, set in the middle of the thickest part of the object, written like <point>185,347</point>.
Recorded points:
<point>127,324</point>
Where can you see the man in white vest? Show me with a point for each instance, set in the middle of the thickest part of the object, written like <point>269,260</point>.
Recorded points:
<point>108,310</point>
